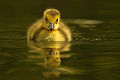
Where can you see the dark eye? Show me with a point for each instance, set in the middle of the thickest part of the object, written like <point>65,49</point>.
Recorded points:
<point>46,19</point>
<point>56,20</point>
<point>57,58</point>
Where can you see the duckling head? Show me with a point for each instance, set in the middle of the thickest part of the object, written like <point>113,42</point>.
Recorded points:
<point>51,19</point>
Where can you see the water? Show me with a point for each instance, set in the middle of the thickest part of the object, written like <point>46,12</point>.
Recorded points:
<point>94,53</point>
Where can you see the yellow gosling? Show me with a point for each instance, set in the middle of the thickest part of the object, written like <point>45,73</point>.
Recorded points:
<point>49,28</point>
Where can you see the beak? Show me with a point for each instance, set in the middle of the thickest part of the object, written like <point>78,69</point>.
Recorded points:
<point>51,52</point>
<point>51,26</point>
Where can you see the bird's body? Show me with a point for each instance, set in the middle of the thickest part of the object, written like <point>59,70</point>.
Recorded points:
<point>46,35</point>
<point>39,31</point>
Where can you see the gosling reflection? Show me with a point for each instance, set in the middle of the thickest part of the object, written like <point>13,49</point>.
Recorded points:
<point>51,58</point>
<point>50,54</point>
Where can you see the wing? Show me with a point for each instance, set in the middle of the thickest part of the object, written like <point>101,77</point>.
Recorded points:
<point>34,29</point>
<point>65,31</point>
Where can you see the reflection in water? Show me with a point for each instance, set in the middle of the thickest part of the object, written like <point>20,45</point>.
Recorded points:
<point>94,55</point>
<point>50,53</point>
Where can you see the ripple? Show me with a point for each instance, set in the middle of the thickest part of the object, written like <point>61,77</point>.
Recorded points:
<point>84,21</point>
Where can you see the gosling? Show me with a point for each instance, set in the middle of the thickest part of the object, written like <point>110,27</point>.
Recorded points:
<point>49,28</point>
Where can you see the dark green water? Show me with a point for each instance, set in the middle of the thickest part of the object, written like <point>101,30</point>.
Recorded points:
<point>94,52</point>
